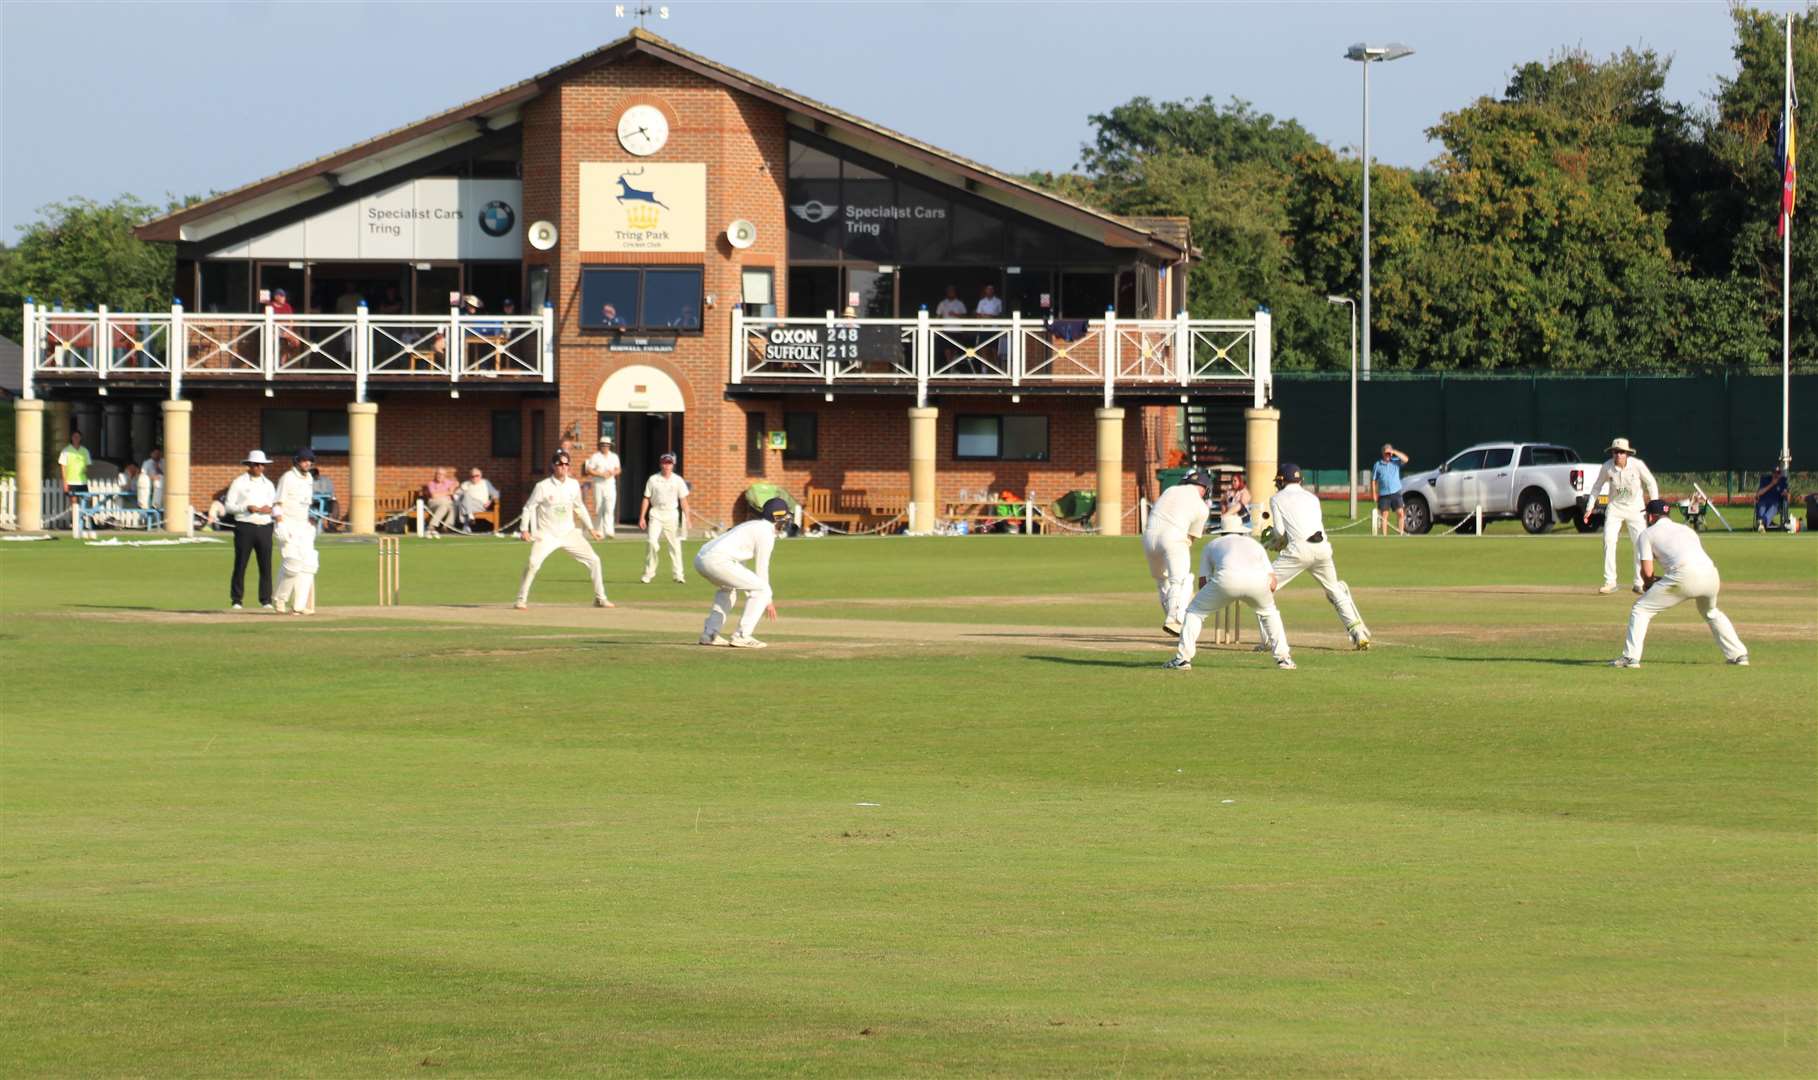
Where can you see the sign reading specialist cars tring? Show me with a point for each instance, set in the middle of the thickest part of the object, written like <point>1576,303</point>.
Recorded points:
<point>643,206</point>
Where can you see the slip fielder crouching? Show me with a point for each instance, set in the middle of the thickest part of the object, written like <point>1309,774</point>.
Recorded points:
<point>721,561</point>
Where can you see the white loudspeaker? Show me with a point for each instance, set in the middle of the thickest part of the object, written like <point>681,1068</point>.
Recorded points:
<point>741,233</point>
<point>542,235</point>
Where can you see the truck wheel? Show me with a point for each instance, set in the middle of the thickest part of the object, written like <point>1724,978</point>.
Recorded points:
<point>1536,512</point>
<point>1591,526</point>
<point>1420,519</point>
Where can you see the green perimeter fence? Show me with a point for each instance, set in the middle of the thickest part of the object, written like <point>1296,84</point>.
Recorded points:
<point>1678,423</point>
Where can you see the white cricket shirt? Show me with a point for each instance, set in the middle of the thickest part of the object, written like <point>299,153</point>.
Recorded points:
<point>665,493</point>
<point>1296,514</point>
<point>1232,556</point>
<point>600,463</point>
<point>1673,548</point>
<point>753,540</point>
<point>1181,508</point>
<point>1630,486</point>
<point>294,492</point>
<point>249,490</point>
<point>552,506</point>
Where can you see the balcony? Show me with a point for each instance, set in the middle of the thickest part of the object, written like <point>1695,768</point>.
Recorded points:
<point>169,348</point>
<point>1145,358</point>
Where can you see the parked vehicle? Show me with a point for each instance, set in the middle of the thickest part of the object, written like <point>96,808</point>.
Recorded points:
<point>1538,484</point>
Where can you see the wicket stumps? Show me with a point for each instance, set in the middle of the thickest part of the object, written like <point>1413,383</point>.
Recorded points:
<point>1227,625</point>
<point>390,569</point>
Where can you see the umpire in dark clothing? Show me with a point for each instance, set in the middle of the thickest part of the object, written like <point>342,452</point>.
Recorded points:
<point>249,501</point>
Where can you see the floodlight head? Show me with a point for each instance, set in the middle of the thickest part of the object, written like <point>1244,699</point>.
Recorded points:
<point>1391,51</point>
<point>1338,299</point>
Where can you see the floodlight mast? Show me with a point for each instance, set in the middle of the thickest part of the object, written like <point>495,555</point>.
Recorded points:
<point>1367,55</point>
<point>1351,483</point>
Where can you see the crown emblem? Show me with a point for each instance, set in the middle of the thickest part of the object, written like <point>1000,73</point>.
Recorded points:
<point>642,217</point>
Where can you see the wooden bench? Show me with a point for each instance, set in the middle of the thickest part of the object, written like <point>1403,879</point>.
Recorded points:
<point>821,507</point>
<point>884,507</point>
<point>386,504</point>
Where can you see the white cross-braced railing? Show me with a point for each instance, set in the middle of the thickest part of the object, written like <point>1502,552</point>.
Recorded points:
<point>271,347</point>
<point>1105,354</point>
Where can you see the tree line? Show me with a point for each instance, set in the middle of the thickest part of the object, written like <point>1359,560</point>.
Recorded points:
<point>1581,221</point>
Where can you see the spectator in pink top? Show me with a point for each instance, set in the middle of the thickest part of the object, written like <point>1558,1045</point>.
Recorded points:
<point>441,493</point>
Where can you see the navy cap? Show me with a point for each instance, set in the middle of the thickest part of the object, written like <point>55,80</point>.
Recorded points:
<point>560,457</point>
<point>305,454</point>
<point>1288,473</point>
<point>1660,507</point>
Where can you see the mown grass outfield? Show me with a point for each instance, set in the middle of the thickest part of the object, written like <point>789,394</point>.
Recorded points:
<point>956,820</point>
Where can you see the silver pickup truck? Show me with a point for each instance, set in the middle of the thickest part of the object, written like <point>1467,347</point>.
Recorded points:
<point>1537,483</point>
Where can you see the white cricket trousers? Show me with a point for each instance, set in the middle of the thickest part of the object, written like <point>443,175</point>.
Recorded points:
<point>664,524</point>
<point>575,543</point>
<point>1317,559</point>
<point>1251,589</point>
<point>1700,584</point>
<point>297,559</point>
<point>1614,521</point>
<point>732,577</point>
<point>606,506</point>
<point>1170,554</point>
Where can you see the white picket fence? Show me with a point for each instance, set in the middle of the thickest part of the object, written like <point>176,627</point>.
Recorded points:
<point>56,504</point>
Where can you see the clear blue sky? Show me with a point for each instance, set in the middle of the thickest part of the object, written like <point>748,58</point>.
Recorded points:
<point>150,98</point>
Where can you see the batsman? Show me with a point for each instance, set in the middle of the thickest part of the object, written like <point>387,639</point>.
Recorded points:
<point>1176,520</point>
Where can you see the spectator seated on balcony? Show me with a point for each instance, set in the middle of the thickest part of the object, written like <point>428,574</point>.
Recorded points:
<point>393,304</point>
<point>609,316</point>
<point>348,303</point>
<point>1773,499</point>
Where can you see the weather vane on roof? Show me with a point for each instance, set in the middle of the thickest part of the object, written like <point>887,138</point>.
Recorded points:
<point>642,11</point>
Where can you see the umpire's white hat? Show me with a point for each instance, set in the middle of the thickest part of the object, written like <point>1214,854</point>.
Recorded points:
<point>257,457</point>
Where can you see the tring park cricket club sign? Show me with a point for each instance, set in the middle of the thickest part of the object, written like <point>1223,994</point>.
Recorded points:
<point>643,206</point>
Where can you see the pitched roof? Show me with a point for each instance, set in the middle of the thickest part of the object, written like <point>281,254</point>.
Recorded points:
<point>1119,232</point>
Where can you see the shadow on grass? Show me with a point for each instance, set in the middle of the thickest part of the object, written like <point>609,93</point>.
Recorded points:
<point>1554,660</point>
<point>1081,661</point>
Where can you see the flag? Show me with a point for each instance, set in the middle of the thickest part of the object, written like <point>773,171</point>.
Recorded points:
<point>1789,168</point>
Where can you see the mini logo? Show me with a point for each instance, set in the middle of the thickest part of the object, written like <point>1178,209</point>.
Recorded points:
<point>814,211</point>
<point>497,218</point>
<point>642,217</point>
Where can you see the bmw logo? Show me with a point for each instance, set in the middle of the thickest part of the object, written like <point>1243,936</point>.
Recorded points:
<point>497,218</point>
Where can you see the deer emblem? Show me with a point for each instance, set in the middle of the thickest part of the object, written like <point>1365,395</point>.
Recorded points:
<point>627,193</point>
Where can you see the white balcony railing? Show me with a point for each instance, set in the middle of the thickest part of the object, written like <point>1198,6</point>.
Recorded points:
<point>172,346</point>
<point>1110,353</point>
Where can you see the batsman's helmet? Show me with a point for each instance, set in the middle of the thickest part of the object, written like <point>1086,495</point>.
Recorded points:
<point>1287,473</point>
<point>777,511</point>
<point>1195,476</point>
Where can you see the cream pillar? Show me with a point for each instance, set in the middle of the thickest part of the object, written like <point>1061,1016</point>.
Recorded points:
<point>176,465</point>
<point>28,448</point>
<point>59,428</point>
<point>922,443</point>
<point>363,464</point>
<point>1262,428</point>
<point>1110,471</point>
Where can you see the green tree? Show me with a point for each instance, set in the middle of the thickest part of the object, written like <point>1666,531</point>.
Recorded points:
<point>84,253</point>
<point>1740,217</point>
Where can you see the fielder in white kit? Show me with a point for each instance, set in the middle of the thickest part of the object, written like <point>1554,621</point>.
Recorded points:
<point>295,535</point>
<point>1233,568</point>
<point>603,473</point>
<point>1301,537</point>
<point>1685,573</point>
<point>550,519</point>
<point>721,561</point>
<point>1176,520</point>
<point>1631,487</point>
<point>664,509</point>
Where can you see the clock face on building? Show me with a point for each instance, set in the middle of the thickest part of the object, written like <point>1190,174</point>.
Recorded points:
<point>643,130</point>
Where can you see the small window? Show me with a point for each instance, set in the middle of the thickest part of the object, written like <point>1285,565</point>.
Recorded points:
<point>754,443</point>
<point>1006,438</point>
<point>803,430</point>
<point>322,430</point>
<point>1469,461</point>
<point>1498,457</point>
<point>758,293</point>
<point>640,298</point>
<point>1547,455</point>
<point>538,463</point>
<point>507,433</point>
<point>1025,438</point>
<point>975,437</point>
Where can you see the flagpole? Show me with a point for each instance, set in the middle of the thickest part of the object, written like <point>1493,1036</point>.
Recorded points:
<point>1786,264</point>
